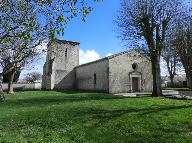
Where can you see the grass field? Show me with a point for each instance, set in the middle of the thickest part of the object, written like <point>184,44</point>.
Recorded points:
<point>59,117</point>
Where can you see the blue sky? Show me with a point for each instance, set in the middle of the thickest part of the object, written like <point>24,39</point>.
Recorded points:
<point>96,35</point>
<point>98,31</point>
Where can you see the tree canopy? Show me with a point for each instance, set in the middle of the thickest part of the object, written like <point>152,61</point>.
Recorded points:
<point>53,15</point>
<point>182,43</point>
<point>25,24</point>
<point>148,21</point>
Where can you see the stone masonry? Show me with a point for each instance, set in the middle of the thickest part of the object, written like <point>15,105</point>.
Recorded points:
<point>129,71</point>
<point>62,58</point>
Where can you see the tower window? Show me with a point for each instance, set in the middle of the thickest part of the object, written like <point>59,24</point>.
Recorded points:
<point>95,79</point>
<point>66,52</point>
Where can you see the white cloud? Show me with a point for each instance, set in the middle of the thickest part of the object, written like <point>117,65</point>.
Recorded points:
<point>88,56</point>
<point>109,54</point>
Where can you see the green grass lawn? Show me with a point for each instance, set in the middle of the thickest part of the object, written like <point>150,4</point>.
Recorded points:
<point>59,117</point>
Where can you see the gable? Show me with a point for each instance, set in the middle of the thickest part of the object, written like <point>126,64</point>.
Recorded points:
<point>133,53</point>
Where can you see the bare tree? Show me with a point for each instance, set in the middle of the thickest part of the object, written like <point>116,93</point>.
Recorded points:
<point>17,53</point>
<point>24,24</point>
<point>21,32</point>
<point>148,20</point>
<point>182,40</point>
<point>172,61</point>
<point>32,77</point>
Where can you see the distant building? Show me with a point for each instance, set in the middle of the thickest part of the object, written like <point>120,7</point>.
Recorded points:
<point>129,71</point>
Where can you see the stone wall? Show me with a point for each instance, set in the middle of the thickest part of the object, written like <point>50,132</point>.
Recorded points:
<point>62,58</point>
<point>17,86</point>
<point>44,77</point>
<point>85,76</point>
<point>120,68</point>
<point>68,82</point>
<point>64,64</point>
<point>113,74</point>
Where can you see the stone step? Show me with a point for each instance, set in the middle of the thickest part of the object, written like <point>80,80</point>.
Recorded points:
<point>180,97</point>
<point>170,94</point>
<point>170,91</point>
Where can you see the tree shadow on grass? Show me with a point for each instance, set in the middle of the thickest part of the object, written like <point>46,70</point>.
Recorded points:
<point>165,108</point>
<point>81,91</point>
<point>80,96</point>
<point>85,118</point>
<point>61,91</point>
<point>89,118</point>
<point>82,118</point>
<point>108,114</point>
<point>60,99</point>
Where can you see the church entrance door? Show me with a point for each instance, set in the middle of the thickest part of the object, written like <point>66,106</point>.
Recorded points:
<point>135,84</point>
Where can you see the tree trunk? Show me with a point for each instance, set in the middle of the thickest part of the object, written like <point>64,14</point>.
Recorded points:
<point>1,90</point>
<point>189,81</point>
<point>156,76</point>
<point>1,97</point>
<point>10,84</point>
<point>171,79</point>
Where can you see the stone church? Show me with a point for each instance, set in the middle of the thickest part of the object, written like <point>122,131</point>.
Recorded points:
<point>128,71</point>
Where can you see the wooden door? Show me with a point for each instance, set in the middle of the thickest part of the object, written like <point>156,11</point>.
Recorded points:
<point>135,84</point>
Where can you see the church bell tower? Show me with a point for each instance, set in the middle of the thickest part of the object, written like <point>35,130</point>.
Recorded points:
<point>62,58</point>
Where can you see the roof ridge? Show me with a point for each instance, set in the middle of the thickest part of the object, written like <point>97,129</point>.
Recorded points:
<point>112,56</point>
<point>64,42</point>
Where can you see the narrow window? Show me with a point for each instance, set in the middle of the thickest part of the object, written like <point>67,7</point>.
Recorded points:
<point>95,79</point>
<point>66,52</point>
